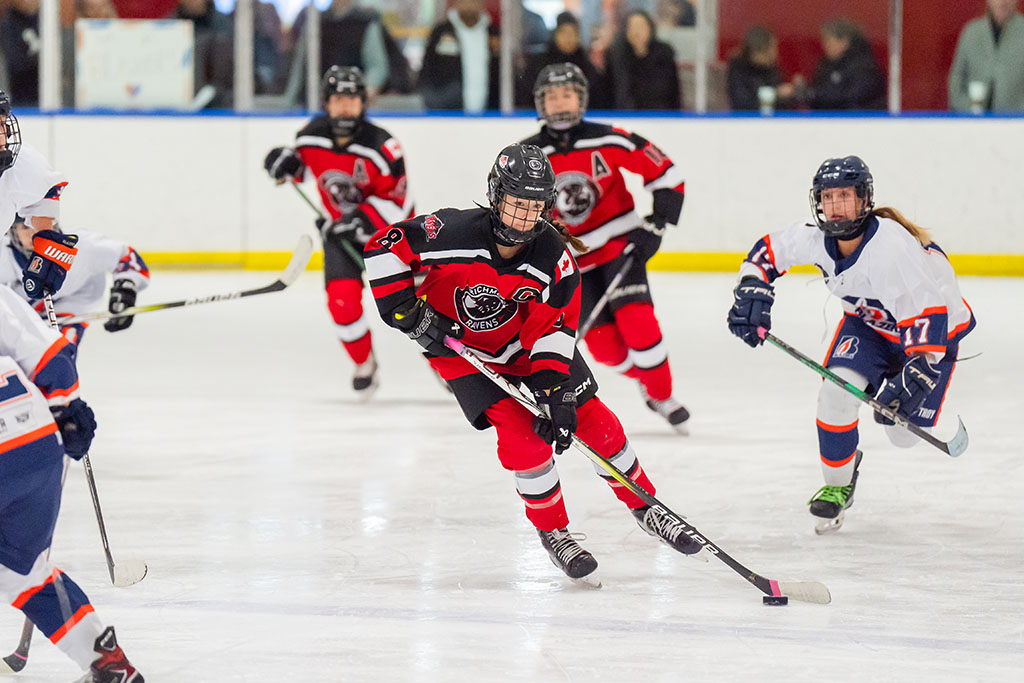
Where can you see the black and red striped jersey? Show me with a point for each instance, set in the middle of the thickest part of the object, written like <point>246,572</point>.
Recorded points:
<point>593,201</point>
<point>520,314</point>
<point>367,173</point>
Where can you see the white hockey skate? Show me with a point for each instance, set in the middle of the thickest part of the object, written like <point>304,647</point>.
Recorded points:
<point>364,378</point>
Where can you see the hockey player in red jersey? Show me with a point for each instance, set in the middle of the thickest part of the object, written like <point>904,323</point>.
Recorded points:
<point>502,279</point>
<point>360,173</point>
<point>593,202</point>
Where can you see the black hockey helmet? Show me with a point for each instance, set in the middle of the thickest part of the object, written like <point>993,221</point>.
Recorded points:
<point>848,171</point>
<point>524,172</point>
<point>12,134</point>
<point>344,80</point>
<point>553,75</point>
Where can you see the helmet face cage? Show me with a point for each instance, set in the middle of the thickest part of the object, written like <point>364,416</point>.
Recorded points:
<point>344,80</point>
<point>556,75</point>
<point>848,171</point>
<point>520,172</point>
<point>12,133</point>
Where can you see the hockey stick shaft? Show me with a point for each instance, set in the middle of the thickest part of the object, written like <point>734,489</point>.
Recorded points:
<point>603,301</point>
<point>954,447</point>
<point>345,244</point>
<point>808,591</point>
<point>132,576</point>
<point>299,260</point>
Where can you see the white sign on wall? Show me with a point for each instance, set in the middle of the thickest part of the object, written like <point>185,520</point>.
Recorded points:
<point>133,64</point>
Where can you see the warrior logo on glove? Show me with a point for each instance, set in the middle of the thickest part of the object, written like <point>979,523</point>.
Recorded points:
<point>482,308</point>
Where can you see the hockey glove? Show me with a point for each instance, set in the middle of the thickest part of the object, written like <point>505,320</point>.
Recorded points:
<point>353,226</point>
<point>77,426</point>
<point>751,310</point>
<point>122,296</point>
<point>428,327</point>
<point>907,391</point>
<point>52,256</point>
<point>282,163</point>
<point>560,424</point>
<point>647,238</point>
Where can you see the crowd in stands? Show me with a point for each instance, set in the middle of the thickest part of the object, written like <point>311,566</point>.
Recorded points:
<point>624,47</point>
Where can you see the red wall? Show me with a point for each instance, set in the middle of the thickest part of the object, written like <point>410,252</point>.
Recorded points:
<point>929,36</point>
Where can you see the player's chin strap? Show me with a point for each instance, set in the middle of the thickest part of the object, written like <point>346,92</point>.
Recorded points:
<point>808,591</point>
<point>954,447</point>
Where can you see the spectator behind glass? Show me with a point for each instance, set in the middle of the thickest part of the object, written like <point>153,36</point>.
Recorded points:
<point>460,65</point>
<point>675,13</point>
<point>755,67</point>
<point>642,69</point>
<point>848,76</point>
<point>535,32</point>
<point>352,36</point>
<point>214,50</point>
<point>990,53</point>
<point>564,46</point>
<point>19,34</point>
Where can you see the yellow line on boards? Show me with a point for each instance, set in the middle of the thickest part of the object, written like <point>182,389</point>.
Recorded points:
<point>1006,265</point>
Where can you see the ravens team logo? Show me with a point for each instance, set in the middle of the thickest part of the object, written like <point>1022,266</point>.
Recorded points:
<point>576,196</point>
<point>482,308</point>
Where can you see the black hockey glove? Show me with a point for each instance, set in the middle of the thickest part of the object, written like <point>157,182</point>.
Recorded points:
<point>282,163</point>
<point>428,327</point>
<point>122,296</point>
<point>560,424</point>
<point>647,238</point>
<point>353,226</point>
<point>752,310</point>
<point>77,426</point>
<point>907,391</point>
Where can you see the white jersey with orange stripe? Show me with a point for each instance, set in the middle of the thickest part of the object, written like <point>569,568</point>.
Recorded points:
<point>85,288</point>
<point>30,188</point>
<point>26,342</point>
<point>903,290</point>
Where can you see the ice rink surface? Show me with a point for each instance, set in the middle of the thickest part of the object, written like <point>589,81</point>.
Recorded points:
<point>293,534</point>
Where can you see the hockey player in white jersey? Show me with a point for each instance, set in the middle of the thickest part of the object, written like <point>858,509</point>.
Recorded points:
<point>30,202</point>
<point>903,317</point>
<point>42,418</point>
<point>86,285</point>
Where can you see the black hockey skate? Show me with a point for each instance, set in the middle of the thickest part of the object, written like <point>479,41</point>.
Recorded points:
<point>830,503</point>
<point>364,379</point>
<point>112,665</point>
<point>567,555</point>
<point>672,410</point>
<point>656,522</point>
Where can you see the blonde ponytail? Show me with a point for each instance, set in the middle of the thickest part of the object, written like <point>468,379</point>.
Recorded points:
<point>922,235</point>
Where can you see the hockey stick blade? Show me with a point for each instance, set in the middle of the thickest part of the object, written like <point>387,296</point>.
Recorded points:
<point>807,591</point>
<point>129,572</point>
<point>300,258</point>
<point>954,448</point>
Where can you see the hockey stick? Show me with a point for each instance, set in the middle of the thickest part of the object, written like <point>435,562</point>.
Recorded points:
<point>954,447</point>
<point>17,660</point>
<point>345,244</point>
<point>128,572</point>
<point>603,301</point>
<point>807,591</point>
<point>297,264</point>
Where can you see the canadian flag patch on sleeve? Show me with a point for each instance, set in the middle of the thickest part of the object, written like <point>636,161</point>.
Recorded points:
<point>565,266</point>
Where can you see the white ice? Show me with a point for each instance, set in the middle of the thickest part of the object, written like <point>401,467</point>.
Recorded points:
<point>295,534</point>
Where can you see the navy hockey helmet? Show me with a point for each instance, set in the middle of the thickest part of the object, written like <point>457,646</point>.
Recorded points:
<point>561,74</point>
<point>848,171</point>
<point>11,134</point>
<point>524,172</point>
<point>344,80</point>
